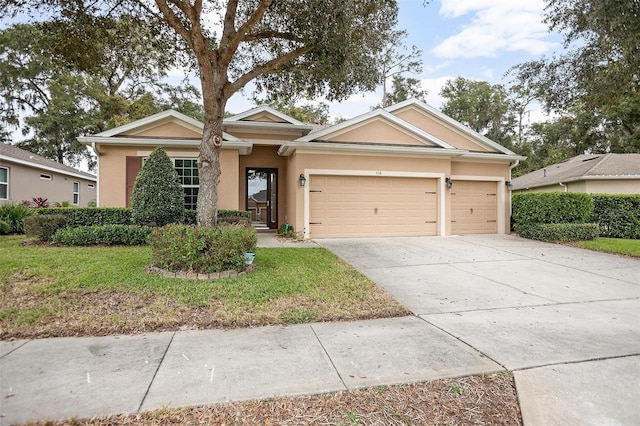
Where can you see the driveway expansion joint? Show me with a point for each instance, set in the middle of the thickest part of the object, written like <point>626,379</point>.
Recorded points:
<point>15,349</point>
<point>465,343</point>
<point>581,361</point>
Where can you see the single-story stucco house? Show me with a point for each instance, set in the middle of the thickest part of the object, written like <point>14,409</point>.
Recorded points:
<point>590,173</point>
<point>25,175</point>
<point>404,170</point>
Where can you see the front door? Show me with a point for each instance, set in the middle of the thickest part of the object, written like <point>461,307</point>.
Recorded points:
<point>262,197</point>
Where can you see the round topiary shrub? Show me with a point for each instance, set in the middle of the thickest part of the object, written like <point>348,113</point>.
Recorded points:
<point>157,198</point>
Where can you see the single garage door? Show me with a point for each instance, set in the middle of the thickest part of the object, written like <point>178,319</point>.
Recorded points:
<point>474,207</point>
<point>368,206</point>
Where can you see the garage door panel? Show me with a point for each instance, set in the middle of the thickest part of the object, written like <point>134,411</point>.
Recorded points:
<point>474,207</point>
<point>372,206</point>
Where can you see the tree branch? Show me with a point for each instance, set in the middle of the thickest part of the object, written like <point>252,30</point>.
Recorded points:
<point>266,68</point>
<point>271,35</point>
<point>233,37</point>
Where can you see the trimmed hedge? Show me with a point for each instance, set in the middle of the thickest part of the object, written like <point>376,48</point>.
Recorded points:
<point>5,228</point>
<point>202,249</point>
<point>92,216</point>
<point>158,197</point>
<point>618,215</point>
<point>44,226</point>
<point>564,232</point>
<point>551,207</point>
<point>130,235</point>
<point>224,216</point>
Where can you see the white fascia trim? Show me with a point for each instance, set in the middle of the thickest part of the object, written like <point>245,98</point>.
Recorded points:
<point>268,109</point>
<point>152,119</point>
<point>502,194</point>
<point>491,156</point>
<point>382,173</point>
<point>403,125</point>
<point>327,147</point>
<point>244,147</point>
<point>450,121</point>
<point>574,179</point>
<point>47,168</point>
<point>265,125</point>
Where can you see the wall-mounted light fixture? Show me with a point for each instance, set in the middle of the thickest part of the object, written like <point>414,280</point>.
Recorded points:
<point>449,182</point>
<point>302,180</point>
<point>509,185</point>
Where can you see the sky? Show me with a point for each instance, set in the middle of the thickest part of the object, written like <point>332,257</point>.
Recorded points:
<point>475,39</point>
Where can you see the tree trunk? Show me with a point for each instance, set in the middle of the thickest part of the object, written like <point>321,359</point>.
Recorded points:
<point>209,158</point>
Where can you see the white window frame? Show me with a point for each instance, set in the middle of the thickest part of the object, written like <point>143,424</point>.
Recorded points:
<point>195,162</point>
<point>5,183</point>
<point>90,185</point>
<point>76,193</point>
<point>45,176</point>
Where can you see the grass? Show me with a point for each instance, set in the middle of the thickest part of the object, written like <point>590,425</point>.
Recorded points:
<point>613,245</point>
<point>73,291</point>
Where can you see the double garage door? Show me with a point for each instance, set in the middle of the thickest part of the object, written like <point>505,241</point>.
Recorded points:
<point>371,206</point>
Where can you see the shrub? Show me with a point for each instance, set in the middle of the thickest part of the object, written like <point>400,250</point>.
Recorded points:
<point>202,249</point>
<point>617,215</point>
<point>158,197</point>
<point>564,232</point>
<point>14,215</point>
<point>44,226</point>
<point>552,207</point>
<point>232,217</point>
<point>83,216</point>
<point>286,230</point>
<point>5,228</point>
<point>40,203</point>
<point>130,235</point>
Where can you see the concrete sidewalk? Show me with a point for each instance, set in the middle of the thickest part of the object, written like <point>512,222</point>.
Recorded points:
<point>98,376</point>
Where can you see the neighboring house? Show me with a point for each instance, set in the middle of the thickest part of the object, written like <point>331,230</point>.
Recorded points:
<point>24,175</point>
<point>592,173</point>
<point>257,205</point>
<point>404,170</point>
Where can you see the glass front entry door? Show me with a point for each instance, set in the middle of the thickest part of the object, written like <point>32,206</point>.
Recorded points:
<point>262,197</point>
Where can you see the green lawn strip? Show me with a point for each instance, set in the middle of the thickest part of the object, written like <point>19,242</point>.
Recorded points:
<point>613,245</point>
<point>62,291</point>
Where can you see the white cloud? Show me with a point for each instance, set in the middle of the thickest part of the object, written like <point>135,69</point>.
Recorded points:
<point>494,26</point>
<point>433,87</point>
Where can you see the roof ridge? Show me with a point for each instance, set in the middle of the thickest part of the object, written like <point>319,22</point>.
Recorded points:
<point>600,161</point>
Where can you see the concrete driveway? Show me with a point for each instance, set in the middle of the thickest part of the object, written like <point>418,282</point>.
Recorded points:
<point>565,320</point>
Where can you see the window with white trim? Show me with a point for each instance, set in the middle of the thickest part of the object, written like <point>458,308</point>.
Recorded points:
<point>187,169</point>
<point>90,185</point>
<point>4,183</point>
<point>45,177</point>
<point>76,193</point>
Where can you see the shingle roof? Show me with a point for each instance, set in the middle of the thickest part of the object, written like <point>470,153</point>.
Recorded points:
<point>10,152</point>
<point>582,167</point>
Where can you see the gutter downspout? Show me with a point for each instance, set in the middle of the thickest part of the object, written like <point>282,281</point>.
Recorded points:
<point>564,186</point>
<point>95,149</point>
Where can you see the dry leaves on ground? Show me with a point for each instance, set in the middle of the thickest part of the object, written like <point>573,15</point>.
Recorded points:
<point>475,400</point>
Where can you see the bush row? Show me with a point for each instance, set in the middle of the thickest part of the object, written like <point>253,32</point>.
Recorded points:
<point>82,216</point>
<point>558,231</point>
<point>200,249</point>
<point>617,215</point>
<point>552,207</point>
<point>131,235</point>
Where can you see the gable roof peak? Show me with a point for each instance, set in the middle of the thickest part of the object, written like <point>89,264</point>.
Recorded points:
<point>265,109</point>
<point>158,117</point>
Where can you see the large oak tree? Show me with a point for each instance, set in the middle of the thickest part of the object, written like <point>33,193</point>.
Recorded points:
<point>307,47</point>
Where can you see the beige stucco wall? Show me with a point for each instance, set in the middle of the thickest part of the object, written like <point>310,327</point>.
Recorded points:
<point>380,132</point>
<point>112,179</point>
<point>167,130</point>
<point>593,186</point>
<point>439,129</point>
<point>25,183</point>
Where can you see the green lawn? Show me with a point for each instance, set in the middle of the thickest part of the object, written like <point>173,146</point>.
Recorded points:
<point>613,245</point>
<point>68,291</point>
